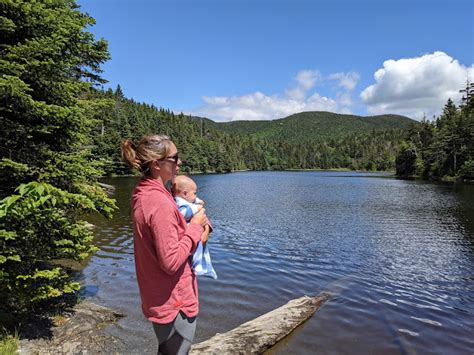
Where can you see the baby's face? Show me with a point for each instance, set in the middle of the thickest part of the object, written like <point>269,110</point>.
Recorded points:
<point>188,192</point>
<point>190,195</point>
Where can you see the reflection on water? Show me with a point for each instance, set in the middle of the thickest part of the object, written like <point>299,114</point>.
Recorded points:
<point>397,256</point>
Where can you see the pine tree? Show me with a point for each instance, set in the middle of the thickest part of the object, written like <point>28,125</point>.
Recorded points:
<point>48,63</point>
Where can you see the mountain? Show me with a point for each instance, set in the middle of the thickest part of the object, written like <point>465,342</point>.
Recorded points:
<point>311,125</point>
<point>306,140</point>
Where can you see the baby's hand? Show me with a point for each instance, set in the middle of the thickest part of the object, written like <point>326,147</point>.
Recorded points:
<point>199,207</point>
<point>199,201</point>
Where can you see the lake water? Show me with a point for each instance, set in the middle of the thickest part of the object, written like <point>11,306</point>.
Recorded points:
<point>397,257</point>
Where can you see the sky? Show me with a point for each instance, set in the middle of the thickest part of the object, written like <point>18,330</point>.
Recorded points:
<point>267,59</point>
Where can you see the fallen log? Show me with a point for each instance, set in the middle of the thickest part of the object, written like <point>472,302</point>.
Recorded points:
<point>259,334</point>
<point>109,189</point>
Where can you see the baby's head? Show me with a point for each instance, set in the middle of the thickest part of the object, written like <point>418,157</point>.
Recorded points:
<point>184,187</point>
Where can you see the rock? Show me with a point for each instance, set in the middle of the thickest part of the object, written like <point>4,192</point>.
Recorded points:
<point>82,332</point>
<point>259,334</point>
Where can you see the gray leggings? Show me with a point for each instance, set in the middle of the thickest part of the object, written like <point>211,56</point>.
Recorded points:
<point>175,337</point>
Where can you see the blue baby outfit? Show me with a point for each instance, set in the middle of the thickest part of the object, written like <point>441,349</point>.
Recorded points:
<point>201,262</point>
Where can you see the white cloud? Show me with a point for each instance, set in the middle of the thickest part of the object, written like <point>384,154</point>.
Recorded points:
<point>215,100</point>
<point>258,106</point>
<point>299,98</point>
<point>416,86</point>
<point>305,80</point>
<point>347,81</point>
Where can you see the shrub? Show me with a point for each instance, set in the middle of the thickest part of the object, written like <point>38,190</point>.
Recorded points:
<point>38,225</point>
<point>467,170</point>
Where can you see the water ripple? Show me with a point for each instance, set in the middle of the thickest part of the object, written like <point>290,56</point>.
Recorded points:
<point>396,256</point>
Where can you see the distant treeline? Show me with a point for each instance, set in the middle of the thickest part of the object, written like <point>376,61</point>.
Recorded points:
<point>205,148</point>
<point>443,148</point>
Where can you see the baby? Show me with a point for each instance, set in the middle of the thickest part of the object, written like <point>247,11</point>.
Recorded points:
<point>184,192</point>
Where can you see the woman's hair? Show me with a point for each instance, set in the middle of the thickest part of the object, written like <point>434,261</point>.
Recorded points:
<point>139,157</point>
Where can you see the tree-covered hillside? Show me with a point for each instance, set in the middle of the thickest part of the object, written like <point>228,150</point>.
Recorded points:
<point>302,141</point>
<point>307,126</point>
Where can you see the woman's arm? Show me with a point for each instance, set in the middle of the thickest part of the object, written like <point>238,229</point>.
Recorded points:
<point>171,251</point>
<point>205,234</point>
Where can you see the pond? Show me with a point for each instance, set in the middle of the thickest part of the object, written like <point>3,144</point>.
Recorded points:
<point>397,257</point>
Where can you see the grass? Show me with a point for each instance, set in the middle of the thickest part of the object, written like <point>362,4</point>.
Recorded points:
<point>59,320</point>
<point>9,343</point>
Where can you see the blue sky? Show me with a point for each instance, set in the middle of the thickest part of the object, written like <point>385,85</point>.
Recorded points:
<point>262,59</point>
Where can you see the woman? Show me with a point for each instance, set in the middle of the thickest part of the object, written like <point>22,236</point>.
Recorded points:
<point>163,244</point>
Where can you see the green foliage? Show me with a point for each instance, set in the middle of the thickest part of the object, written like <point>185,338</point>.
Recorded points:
<point>442,149</point>
<point>9,343</point>
<point>37,225</point>
<point>407,162</point>
<point>466,172</point>
<point>48,173</point>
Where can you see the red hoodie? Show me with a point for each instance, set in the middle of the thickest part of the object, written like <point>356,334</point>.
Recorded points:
<point>163,244</point>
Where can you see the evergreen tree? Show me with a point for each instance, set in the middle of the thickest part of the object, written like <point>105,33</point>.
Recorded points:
<point>443,148</point>
<point>48,63</point>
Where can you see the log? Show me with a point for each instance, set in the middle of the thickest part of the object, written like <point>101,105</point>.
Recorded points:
<point>259,334</point>
<point>109,189</point>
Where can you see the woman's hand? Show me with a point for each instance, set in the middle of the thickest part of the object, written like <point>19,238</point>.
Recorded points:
<point>205,234</point>
<point>200,218</point>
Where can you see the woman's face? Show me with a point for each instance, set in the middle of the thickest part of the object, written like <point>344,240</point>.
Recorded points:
<point>167,168</point>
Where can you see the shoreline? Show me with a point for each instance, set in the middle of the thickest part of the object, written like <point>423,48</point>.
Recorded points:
<point>250,170</point>
<point>83,330</point>
<point>444,179</point>
<point>79,330</point>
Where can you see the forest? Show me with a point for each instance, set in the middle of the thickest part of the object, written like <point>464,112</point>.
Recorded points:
<point>207,146</point>
<point>442,149</point>
<point>437,149</point>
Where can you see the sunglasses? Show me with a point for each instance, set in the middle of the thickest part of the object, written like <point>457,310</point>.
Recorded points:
<point>173,158</point>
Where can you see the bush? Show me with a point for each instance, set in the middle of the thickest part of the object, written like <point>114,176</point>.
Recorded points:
<point>467,170</point>
<point>37,226</point>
